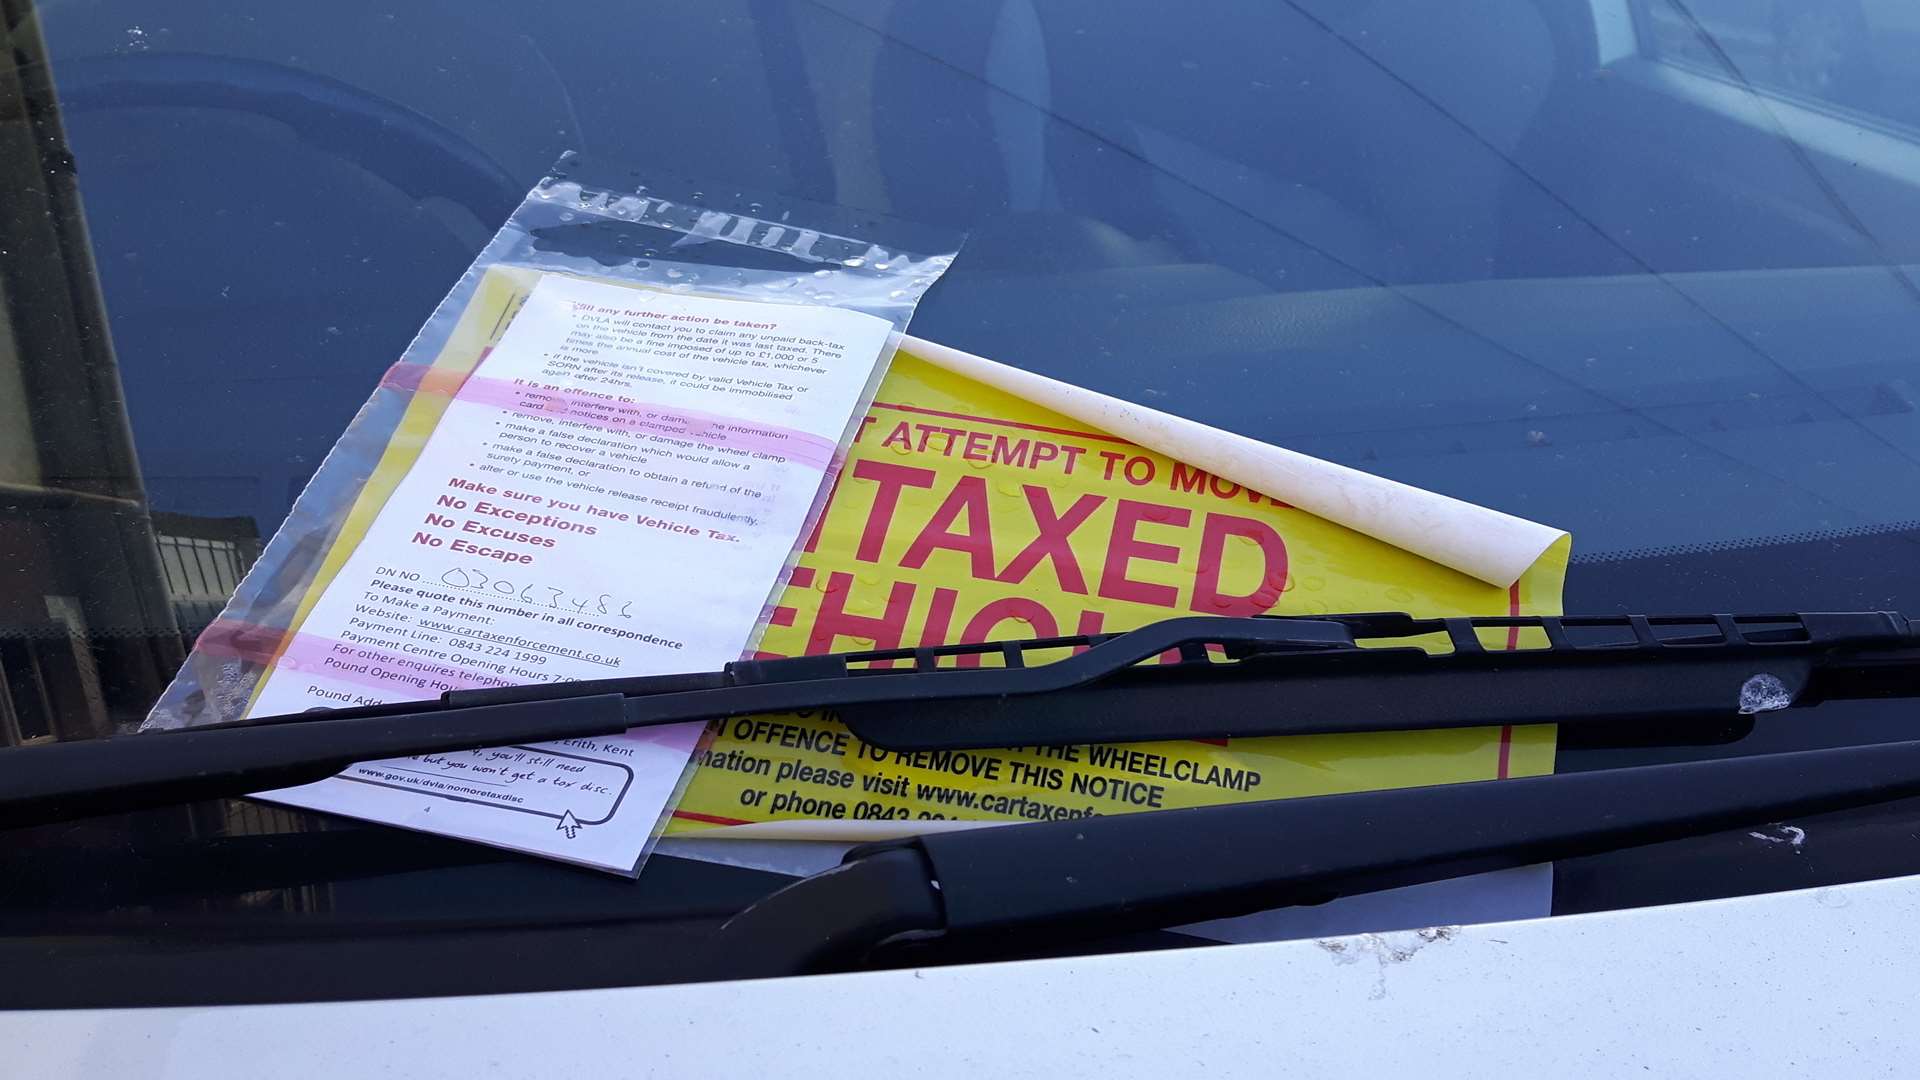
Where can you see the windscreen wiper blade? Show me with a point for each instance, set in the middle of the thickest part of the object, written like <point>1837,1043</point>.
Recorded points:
<point>1209,678</point>
<point>995,889</point>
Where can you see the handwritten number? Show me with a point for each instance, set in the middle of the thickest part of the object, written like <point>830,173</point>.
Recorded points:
<point>557,598</point>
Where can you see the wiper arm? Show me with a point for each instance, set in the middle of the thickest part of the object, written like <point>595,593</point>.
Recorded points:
<point>1218,678</point>
<point>995,887</point>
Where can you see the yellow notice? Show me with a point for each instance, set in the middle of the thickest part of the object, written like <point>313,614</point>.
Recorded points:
<point>965,515</point>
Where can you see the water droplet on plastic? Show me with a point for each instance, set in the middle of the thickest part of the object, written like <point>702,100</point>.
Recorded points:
<point>566,215</point>
<point>1764,693</point>
<point>898,294</point>
<point>675,273</point>
<point>853,261</point>
<point>821,273</point>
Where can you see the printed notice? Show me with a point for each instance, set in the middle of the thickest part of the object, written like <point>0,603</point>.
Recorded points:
<point>611,492</point>
<point>964,514</point>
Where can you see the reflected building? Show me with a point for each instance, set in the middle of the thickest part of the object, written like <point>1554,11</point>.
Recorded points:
<point>98,595</point>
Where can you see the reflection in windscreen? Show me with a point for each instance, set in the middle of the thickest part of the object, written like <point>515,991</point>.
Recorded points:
<point>1641,271</point>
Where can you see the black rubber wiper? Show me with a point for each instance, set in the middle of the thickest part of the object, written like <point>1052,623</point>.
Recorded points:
<point>1689,677</point>
<point>995,889</point>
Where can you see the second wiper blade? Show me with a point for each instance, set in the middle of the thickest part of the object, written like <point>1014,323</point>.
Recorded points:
<point>1213,678</point>
<point>1046,882</point>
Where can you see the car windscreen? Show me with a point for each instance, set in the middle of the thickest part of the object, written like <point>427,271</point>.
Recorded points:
<point>1645,270</point>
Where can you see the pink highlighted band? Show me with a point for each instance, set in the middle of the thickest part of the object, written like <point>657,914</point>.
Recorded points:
<point>615,413</point>
<point>340,661</point>
<point>386,671</point>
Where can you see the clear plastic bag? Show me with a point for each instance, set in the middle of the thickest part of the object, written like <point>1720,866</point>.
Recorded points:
<point>573,222</point>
